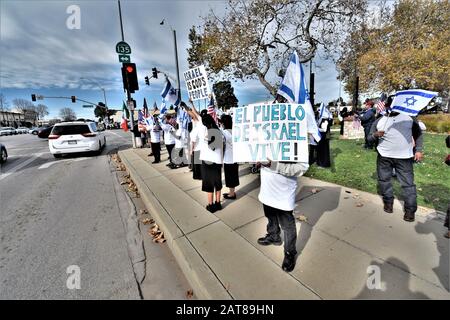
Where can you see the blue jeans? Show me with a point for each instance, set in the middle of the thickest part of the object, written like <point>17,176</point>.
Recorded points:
<point>405,174</point>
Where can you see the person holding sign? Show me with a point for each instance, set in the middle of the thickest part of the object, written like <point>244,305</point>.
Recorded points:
<point>231,168</point>
<point>211,154</point>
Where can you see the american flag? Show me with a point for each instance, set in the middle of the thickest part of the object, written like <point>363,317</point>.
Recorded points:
<point>381,109</point>
<point>212,109</point>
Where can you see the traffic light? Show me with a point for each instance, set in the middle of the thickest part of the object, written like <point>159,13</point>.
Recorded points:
<point>129,76</point>
<point>73,98</point>
<point>155,73</point>
<point>33,97</point>
<point>147,80</point>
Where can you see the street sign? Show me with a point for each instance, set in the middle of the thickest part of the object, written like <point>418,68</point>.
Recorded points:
<point>88,106</point>
<point>123,48</point>
<point>124,58</point>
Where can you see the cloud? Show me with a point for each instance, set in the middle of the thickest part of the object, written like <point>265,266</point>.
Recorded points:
<point>40,52</point>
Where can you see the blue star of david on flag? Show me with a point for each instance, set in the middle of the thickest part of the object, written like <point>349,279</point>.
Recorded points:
<point>408,101</point>
<point>416,100</point>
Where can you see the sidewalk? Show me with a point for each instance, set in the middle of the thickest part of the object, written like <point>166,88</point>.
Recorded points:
<point>345,232</point>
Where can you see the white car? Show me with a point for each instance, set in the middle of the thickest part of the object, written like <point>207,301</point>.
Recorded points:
<point>73,137</point>
<point>7,131</point>
<point>22,130</point>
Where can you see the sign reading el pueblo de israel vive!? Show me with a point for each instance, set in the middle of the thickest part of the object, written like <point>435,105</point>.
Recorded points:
<point>197,83</point>
<point>276,132</point>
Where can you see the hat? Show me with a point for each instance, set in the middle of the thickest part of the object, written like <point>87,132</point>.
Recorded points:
<point>155,112</point>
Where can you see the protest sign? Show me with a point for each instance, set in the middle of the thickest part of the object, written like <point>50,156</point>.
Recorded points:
<point>275,132</point>
<point>197,83</point>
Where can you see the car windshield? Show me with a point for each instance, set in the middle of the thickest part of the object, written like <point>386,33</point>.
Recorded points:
<point>71,129</point>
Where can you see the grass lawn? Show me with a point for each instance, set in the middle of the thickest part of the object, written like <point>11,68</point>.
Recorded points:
<point>355,167</point>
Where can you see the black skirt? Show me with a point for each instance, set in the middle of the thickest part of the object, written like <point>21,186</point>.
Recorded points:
<point>196,166</point>
<point>231,175</point>
<point>211,177</point>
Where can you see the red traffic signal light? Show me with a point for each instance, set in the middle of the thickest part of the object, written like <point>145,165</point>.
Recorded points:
<point>129,77</point>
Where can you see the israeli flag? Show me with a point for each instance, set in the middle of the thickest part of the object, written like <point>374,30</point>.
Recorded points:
<point>293,88</point>
<point>324,113</point>
<point>410,102</point>
<point>170,95</point>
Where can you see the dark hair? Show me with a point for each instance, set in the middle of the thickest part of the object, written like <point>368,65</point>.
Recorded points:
<point>203,112</point>
<point>389,101</point>
<point>227,121</point>
<point>208,121</point>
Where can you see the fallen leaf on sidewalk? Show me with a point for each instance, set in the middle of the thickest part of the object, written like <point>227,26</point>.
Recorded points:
<point>359,204</point>
<point>143,211</point>
<point>314,190</point>
<point>147,221</point>
<point>302,218</point>
<point>348,191</point>
<point>123,182</point>
<point>189,293</point>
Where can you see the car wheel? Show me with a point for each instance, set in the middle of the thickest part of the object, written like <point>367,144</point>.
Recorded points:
<point>57,155</point>
<point>3,156</point>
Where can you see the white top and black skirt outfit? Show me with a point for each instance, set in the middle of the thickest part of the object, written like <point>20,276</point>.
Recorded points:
<point>231,168</point>
<point>211,154</point>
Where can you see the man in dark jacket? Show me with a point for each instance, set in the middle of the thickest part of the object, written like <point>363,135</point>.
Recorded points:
<point>367,119</point>
<point>396,134</point>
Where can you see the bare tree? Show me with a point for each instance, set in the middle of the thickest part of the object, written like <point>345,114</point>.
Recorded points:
<point>23,105</point>
<point>67,114</point>
<point>255,37</point>
<point>42,110</point>
<point>3,103</point>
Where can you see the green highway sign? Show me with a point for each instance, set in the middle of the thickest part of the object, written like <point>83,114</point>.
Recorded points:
<point>124,58</point>
<point>123,48</point>
<point>88,106</point>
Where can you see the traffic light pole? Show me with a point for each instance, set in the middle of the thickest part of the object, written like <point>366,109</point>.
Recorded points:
<point>128,91</point>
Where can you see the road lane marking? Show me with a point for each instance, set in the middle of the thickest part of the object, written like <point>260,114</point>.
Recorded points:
<point>118,135</point>
<point>21,165</point>
<point>49,164</point>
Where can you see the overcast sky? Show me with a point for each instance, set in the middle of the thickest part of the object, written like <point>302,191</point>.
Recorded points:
<point>39,54</point>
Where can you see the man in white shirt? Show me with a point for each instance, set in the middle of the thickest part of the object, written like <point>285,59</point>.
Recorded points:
<point>395,134</point>
<point>167,126</point>
<point>155,137</point>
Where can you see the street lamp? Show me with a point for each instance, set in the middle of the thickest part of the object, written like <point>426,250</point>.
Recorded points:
<point>176,55</point>
<point>98,84</point>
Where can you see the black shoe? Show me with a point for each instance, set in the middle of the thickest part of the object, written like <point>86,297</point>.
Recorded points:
<point>409,217</point>
<point>169,164</point>
<point>227,196</point>
<point>267,240</point>
<point>218,206</point>
<point>388,207</point>
<point>211,208</point>
<point>155,162</point>
<point>288,262</point>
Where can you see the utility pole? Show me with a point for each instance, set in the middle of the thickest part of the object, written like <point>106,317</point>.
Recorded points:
<point>311,84</point>
<point>176,62</point>
<point>129,99</point>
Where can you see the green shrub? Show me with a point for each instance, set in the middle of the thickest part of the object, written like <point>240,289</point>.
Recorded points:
<point>439,123</point>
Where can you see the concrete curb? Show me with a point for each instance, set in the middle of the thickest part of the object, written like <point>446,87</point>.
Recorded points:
<point>130,222</point>
<point>198,273</point>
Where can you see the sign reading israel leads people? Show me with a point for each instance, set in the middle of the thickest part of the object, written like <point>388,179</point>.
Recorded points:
<point>270,131</point>
<point>197,83</point>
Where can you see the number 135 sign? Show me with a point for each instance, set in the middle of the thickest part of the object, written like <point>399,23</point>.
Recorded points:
<point>123,48</point>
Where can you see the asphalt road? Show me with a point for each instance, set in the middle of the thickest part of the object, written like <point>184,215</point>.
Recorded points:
<point>60,213</point>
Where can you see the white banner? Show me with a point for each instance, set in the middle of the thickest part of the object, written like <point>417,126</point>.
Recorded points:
<point>275,132</point>
<point>197,83</point>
